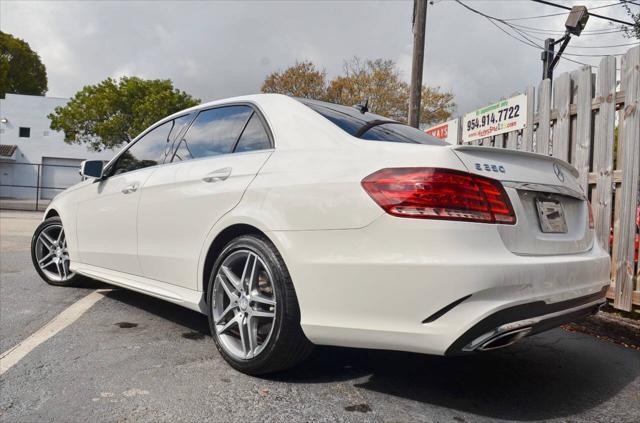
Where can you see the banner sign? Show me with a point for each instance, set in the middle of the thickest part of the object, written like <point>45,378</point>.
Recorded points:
<point>498,118</point>
<point>447,131</point>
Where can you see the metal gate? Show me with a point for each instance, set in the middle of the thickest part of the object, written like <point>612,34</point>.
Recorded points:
<point>29,186</point>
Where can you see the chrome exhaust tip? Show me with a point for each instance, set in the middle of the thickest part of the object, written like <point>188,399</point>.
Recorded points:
<point>504,339</point>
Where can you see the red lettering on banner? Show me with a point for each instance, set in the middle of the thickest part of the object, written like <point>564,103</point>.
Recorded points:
<point>440,132</point>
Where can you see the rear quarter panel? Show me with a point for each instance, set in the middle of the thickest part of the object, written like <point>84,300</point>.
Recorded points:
<point>321,189</point>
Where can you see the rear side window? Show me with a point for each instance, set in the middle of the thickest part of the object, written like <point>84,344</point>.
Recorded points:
<point>254,136</point>
<point>347,123</point>
<point>213,132</point>
<point>178,124</point>
<point>398,132</point>
<point>369,126</point>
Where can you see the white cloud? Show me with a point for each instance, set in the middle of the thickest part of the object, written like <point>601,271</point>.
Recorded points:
<point>220,49</point>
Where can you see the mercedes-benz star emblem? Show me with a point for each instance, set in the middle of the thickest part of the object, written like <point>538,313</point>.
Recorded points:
<point>558,172</point>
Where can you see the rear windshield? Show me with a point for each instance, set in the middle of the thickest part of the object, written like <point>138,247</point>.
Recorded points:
<point>369,126</point>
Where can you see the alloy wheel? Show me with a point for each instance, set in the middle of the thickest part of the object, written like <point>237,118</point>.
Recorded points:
<point>244,304</point>
<point>52,253</point>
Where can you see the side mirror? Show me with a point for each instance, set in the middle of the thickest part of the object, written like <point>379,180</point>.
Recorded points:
<point>91,168</point>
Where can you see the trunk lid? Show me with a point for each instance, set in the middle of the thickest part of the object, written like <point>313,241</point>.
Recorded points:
<point>551,209</point>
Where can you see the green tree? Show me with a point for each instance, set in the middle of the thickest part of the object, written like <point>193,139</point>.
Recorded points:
<point>21,71</point>
<point>378,80</point>
<point>299,80</point>
<point>113,112</point>
<point>436,106</point>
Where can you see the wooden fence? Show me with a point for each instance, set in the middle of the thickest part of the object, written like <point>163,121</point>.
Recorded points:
<point>593,121</point>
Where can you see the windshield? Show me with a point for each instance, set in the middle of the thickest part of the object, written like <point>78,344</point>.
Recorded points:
<point>369,126</point>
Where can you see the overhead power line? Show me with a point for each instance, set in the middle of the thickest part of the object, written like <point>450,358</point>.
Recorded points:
<point>619,3</point>
<point>556,31</point>
<point>524,40</point>
<point>590,14</point>
<point>537,46</point>
<point>529,39</point>
<point>609,46</point>
<point>535,36</point>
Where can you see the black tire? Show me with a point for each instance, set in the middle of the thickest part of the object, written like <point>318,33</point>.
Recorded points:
<point>73,280</point>
<point>287,345</point>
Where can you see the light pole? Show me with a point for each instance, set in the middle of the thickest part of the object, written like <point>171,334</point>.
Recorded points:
<point>576,21</point>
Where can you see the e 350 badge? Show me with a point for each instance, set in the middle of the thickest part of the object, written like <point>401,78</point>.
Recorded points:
<point>487,167</point>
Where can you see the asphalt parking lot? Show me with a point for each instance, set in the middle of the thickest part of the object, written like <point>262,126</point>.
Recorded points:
<point>134,358</point>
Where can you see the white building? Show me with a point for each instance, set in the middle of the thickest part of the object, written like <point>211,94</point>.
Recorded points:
<point>31,154</point>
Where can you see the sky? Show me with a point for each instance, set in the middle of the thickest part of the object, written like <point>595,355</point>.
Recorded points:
<point>219,49</point>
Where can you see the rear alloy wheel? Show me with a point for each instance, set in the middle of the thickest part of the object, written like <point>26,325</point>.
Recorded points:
<point>253,311</point>
<point>244,304</point>
<point>50,253</point>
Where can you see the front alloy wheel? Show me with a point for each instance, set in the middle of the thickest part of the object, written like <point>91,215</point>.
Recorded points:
<point>50,253</point>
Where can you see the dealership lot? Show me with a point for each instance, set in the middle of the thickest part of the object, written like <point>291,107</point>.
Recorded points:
<point>130,357</point>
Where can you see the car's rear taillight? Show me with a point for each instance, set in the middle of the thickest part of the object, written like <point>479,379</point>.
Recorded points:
<point>591,223</point>
<point>434,193</point>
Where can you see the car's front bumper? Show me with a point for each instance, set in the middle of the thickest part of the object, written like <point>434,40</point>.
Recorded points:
<point>380,286</point>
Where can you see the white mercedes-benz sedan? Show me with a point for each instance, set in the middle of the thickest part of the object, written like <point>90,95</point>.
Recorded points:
<point>292,222</point>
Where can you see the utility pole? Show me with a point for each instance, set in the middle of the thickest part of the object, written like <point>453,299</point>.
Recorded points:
<point>415,92</point>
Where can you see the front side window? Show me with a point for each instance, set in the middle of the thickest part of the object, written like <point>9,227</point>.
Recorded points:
<point>213,132</point>
<point>150,150</point>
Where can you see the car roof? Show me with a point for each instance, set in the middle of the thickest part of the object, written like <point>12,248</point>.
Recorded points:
<point>286,114</point>
<point>255,98</point>
<point>252,98</point>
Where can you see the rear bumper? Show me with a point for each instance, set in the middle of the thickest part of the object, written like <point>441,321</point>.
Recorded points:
<point>380,286</point>
<point>513,323</point>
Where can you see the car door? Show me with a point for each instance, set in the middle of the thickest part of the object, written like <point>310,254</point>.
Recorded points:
<point>212,166</point>
<point>107,209</point>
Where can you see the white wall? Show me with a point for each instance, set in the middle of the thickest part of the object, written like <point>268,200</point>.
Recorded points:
<point>31,112</point>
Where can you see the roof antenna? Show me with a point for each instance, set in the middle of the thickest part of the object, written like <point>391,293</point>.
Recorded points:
<point>363,108</point>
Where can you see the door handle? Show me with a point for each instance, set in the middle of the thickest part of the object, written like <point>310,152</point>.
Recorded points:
<point>217,175</point>
<point>130,188</point>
